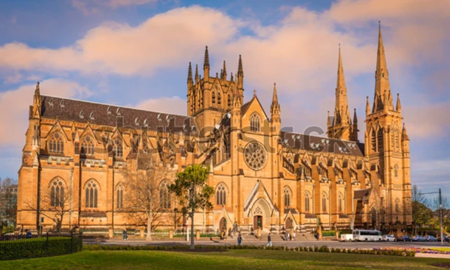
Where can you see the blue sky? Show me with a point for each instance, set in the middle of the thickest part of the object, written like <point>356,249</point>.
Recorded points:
<point>136,53</point>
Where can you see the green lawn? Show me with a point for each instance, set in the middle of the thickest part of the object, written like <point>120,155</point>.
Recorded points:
<point>231,259</point>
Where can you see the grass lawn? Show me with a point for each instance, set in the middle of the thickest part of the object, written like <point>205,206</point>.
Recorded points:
<point>231,259</point>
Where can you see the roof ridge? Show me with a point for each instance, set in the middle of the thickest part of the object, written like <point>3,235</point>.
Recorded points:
<point>106,104</point>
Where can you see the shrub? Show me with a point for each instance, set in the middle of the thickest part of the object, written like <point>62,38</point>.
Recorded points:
<point>39,247</point>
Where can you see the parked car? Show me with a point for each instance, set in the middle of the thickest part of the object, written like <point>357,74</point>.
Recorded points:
<point>404,238</point>
<point>446,239</point>
<point>419,238</point>
<point>431,238</point>
<point>389,238</point>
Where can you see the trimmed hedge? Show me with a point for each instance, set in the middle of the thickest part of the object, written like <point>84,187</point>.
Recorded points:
<point>396,252</point>
<point>39,247</point>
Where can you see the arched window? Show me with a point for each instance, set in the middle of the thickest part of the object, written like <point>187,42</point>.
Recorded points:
<point>229,100</point>
<point>374,141</point>
<point>119,196</point>
<point>164,195</point>
<point>307,200</point>
<point>214,97</point>
<point>380,140</point>
<point>287,197</point>
<point>57,193</point>
<point>324,203</point>
<point>255,122</point>
<point>118,148</point>
<point>219,98</point>
<point>91,193</point>
<point>56,144</point>
<point>221,195</point>
<point>396,170</point>
<point>340,203</point>
<point>397,140</point>
<point>397,205</point>
<point>87,146</point>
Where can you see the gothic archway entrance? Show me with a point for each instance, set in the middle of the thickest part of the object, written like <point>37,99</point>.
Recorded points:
<point>257,222</point>
<point>288,223</point>
<point>223,224</point>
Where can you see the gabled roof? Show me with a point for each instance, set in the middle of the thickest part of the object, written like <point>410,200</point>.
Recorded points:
<point>321,144</point>
<point>112,115</point>
<point>245,107</point>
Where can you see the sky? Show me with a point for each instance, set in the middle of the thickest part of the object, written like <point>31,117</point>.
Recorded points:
<point>136,53</point>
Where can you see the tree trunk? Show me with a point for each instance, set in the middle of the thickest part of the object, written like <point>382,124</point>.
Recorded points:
<point>149,227</point>
<point>192,230</point>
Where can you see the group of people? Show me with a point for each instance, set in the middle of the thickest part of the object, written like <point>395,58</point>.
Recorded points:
<point>289,237</point>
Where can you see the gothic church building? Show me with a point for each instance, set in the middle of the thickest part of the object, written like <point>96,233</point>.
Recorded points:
<point>263,177</point>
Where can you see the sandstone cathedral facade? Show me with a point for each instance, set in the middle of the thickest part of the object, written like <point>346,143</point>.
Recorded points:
<point>264,177</point>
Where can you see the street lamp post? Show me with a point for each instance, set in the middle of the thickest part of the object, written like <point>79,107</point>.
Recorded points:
<point>440,214</point>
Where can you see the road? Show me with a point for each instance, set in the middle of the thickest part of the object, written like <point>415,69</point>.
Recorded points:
<point>330,244</point>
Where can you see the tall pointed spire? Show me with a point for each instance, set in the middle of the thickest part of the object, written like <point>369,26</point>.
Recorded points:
<point>189,79</point>
<point>37,101</point>
<point>342,114</point>
<point>240,73</point>
<point>355,118</point>
<point>367,106</point>
<point>275,107</point>
<point>224,71</point>
<point>382,99</point>
<point>206,65</point>
<point>399,106</point>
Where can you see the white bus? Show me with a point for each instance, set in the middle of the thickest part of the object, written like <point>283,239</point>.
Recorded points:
<point>367,235</point>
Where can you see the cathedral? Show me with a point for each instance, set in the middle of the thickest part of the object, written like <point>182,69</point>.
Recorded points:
<point>77,153</point>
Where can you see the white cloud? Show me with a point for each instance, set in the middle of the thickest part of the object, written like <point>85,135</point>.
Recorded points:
<point>89,7</point>
<point>14,107</point>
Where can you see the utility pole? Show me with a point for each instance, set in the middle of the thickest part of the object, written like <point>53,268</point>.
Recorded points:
<point>440,218</point>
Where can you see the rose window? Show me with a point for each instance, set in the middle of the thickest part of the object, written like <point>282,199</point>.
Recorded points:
<point>255,155</point>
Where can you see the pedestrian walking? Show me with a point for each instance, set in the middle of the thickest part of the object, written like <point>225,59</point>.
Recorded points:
<point>269,241</point>
<point>239,239</point>
<point>293,236</point>
<point>124,234</point>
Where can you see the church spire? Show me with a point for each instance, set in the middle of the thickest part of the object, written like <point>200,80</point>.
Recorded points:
<point>399,106</point>
<point>37,100</point>
<point>240,73</point>
<point>224,71</point>
<point>206,65</point>
<point>341,110</point>
<point>383,97</point>
<point>189,79</point>
<point>367,106</point>
<point>275,107</point>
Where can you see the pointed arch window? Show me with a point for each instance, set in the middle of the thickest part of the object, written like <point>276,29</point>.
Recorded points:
<point>380,140</point>
<point>324,203</point>
<point>221,195</point>
<point>56,144</point>
<point>397,140</point>
<point>164,195</point>
<point>287,197</point>
<point>307,200</point>
<point>57,193</point>
<point>255,122</point>
<point>118,148</point>
<point>219,98</point>
<point>229,100</point>
<point>119,196</point>
<point>87,146</point>
<point>373,141</point>
<point>397,205</point>
<point>91,194</point>
<point>340,202</point>
<point>396,170</point>
<point>214,97</point>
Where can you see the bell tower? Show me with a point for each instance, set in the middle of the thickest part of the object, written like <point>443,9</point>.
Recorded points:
<point>387,147</point>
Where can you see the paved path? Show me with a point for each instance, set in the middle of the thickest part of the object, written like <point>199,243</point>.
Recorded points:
<point>330,244</point>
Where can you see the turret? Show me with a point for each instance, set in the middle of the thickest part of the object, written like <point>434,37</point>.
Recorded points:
<point>367,106</point>
<point>240,74</point>
<point>196,74</point>
<point>224,72</point>
<point>206,66</point>
<point>37,101</point>
<point>328,120</point>
<point>190,82</point>
<point>399,106</point>
<point>275,106</point>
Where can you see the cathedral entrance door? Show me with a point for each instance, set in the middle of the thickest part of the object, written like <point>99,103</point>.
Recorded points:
<point>223,224</point>
<point>257,222</point>
<point>288,224</point>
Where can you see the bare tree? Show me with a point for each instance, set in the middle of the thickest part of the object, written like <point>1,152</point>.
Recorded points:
<point>418,196</point>
<point>144,202</point>
<point>54,204</point>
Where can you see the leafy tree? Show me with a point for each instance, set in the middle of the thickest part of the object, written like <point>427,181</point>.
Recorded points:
<point>421,214</point>
<point>193,192</point>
